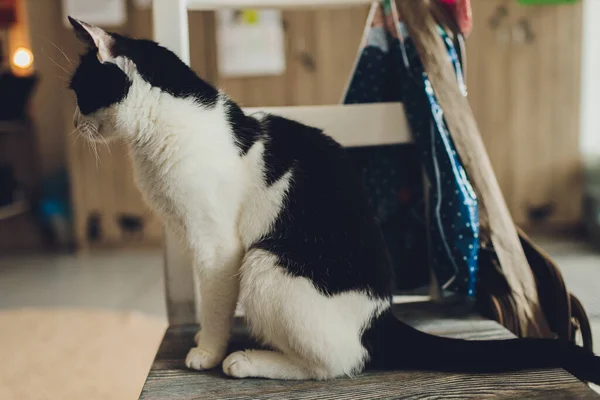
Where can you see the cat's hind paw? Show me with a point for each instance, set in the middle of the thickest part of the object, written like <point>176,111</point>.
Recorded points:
<point>201,359</point>
<point>237,365</point>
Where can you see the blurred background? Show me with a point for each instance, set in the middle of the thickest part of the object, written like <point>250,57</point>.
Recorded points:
<point>75,232</point>
<point>531,80</point>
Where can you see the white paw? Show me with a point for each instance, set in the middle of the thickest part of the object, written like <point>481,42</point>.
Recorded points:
<point>237,365</point>
<point>197,337</point>
<point>200,359</point>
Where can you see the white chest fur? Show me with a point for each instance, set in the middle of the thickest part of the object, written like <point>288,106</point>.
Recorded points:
<point>187,166</point>
<point>190,172</point>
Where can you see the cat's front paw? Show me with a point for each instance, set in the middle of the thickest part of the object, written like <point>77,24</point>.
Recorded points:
<point>237,365</point>
<point>201,359</point>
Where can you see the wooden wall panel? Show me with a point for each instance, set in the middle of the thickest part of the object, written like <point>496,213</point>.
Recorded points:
<point>568,166</point>
<point>524,119</point>
<point>302,86</point>
<point>49,38</point>
<point>524,88</point>
<point>105,186</point>
<point>203,48</point>
<point>488,61</point>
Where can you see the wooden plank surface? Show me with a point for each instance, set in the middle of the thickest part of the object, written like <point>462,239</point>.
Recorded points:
<point>169,379</point>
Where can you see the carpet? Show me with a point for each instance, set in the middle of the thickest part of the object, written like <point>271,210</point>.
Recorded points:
<point>64,354</point>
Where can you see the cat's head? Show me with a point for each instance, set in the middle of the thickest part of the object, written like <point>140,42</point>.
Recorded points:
<point>118,77</point>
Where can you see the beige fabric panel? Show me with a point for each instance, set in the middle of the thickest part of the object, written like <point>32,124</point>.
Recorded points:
<point>496,223</point>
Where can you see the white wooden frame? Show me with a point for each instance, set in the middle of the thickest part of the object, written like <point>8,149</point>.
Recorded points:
<point>351,125</point>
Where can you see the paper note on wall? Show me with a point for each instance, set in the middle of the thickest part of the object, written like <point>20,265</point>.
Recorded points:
<point>250,43</point>
<point>96,12</point>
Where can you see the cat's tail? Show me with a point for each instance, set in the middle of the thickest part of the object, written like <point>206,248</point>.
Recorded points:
<point>393,344</point>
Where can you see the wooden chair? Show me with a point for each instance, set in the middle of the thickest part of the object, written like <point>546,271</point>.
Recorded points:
<point>385,124</point>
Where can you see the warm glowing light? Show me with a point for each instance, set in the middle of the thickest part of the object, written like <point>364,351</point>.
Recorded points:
<point>22,58</point>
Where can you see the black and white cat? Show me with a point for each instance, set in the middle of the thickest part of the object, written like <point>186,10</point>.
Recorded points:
<point>275,217</point>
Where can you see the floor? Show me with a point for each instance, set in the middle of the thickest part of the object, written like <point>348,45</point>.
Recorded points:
<point>123,280</point>
<point>580,265</point>
<point>133,280</point>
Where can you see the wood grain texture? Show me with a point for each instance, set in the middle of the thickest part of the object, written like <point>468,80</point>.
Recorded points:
<point>524,86</point>
<point>105,185</point>
<point>488,79</point>
<point>567,169</point>
<point>169,379</point>
<point>524,123</point>
<point>301,45</point>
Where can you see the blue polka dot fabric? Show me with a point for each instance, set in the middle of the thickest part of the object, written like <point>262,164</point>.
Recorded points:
<point>389,69</point>
<point>392,174</point>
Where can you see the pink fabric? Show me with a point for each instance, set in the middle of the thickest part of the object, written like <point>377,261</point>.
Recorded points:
<point>463,15</point>
<point>462,12</point>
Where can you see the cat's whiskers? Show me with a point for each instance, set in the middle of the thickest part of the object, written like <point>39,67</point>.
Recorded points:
<point>61,51</point>
<point>90,132</point>
<point>238,274</point>
<point>56,63</point>
<point>103,140</point>
<point>64,79</point>
<point>94,146</point>
<point>75,137</point>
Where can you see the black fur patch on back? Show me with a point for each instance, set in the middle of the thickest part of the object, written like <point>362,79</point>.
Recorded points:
<point>98,85</point>
<point>245,129</point>
<point>163,69</point>
<point>326,230</point>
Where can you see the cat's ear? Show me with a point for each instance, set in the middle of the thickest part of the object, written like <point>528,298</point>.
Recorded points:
<point>94,36</point>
